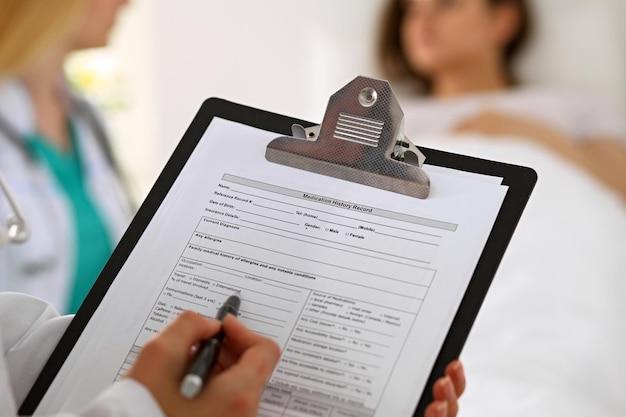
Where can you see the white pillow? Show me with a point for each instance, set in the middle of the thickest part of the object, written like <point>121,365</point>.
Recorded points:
<point>580,44</point>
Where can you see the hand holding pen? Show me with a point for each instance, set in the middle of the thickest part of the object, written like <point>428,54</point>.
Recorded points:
<point>243,366</point>
<point>208,352</point>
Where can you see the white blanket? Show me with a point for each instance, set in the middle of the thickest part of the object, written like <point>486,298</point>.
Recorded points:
<point>550,339</point>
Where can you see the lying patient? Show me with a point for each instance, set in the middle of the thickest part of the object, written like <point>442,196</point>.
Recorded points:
<point>459,54</point>
<point>550,337</point>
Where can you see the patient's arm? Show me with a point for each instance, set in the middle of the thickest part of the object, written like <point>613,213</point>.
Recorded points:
<point>605,158</point>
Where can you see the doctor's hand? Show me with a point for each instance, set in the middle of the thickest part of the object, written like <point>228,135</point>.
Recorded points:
<point>447,391</point>
<point>234,390</point>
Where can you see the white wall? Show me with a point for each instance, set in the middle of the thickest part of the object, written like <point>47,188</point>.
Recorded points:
<point>134,129</point>
<point>288,56</point>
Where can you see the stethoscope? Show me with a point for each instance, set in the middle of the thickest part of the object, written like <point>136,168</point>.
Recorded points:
<point>82,108</point>
<point>16,229</point>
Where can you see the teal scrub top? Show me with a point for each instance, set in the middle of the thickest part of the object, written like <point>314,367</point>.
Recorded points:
<point>92,244</point>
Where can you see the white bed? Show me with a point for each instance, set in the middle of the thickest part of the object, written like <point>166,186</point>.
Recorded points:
<point>551,337</point>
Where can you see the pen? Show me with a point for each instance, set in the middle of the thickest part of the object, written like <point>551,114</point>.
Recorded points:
<point>207,353</point>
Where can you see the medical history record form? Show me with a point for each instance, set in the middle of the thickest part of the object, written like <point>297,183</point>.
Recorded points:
<point>359,286</point>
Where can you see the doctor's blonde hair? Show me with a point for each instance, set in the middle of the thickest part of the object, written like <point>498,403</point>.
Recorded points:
<point>29,27</point>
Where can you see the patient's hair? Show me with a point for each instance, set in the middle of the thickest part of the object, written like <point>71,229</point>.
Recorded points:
<point>29,27</point>
<point>395,63</point>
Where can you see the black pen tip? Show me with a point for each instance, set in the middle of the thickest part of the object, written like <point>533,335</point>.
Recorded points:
<point>234,301</point>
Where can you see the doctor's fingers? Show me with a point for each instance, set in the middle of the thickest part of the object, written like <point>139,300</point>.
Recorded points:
<point>444,392</point>
<point>236,390</point>
<point>246,355</point>
<point>457,374</point>
<point>437,409</point>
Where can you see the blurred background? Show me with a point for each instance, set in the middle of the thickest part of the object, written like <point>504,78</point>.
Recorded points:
<point>167,57</point>
<point>550,339</point>
<point>289,56</point>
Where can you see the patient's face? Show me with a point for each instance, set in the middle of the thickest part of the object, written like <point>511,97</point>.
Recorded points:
<point>439,35</point>
<point>97,21</point>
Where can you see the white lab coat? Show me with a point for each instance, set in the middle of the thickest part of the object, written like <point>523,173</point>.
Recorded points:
<point>29,331</point>
<point>43,266</point>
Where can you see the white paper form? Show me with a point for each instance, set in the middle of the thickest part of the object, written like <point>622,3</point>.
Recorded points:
<point>358,286</point>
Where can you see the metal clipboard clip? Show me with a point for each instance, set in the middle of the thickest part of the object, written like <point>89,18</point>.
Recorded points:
<point>17,230</point>
<point>360,140</point>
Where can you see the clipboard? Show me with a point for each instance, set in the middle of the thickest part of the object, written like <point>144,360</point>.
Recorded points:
<point>519,183</point>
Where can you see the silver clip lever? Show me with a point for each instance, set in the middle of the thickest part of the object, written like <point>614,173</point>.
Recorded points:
<point>361,140</point>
